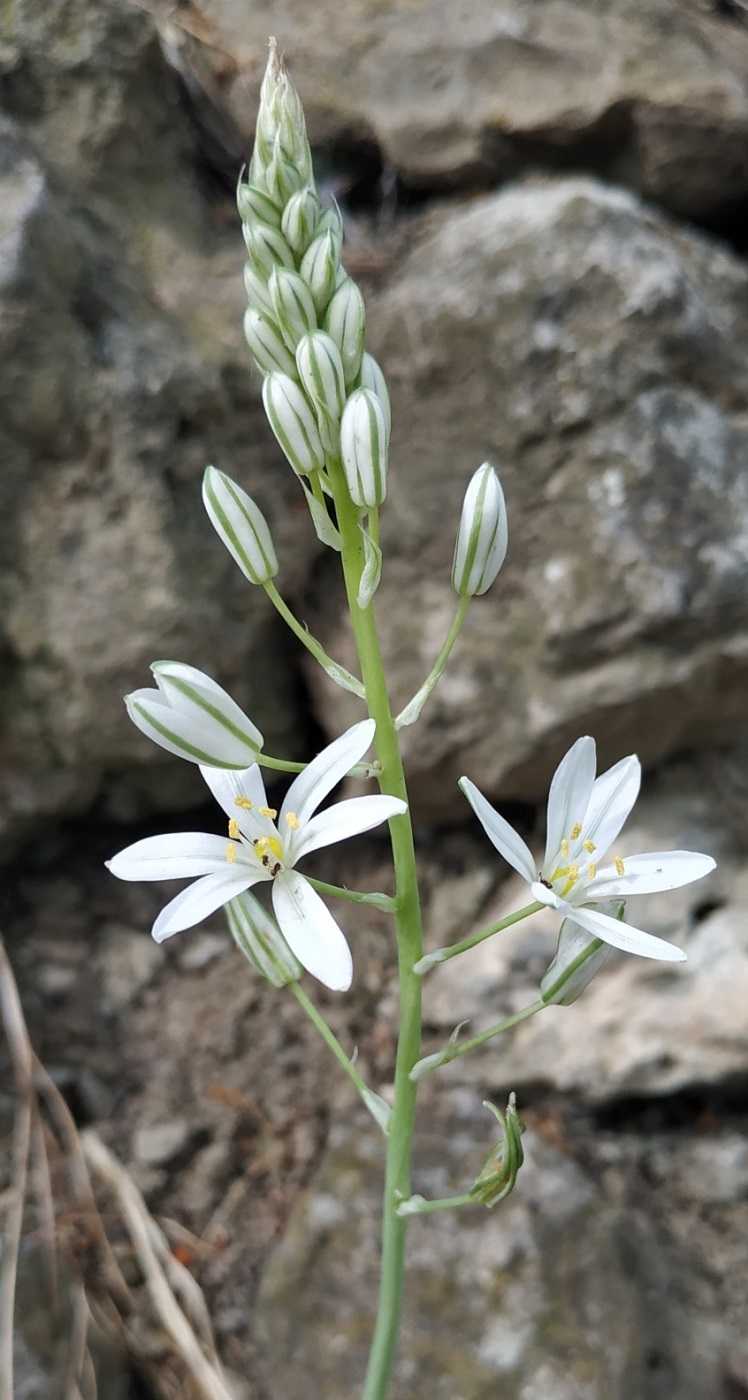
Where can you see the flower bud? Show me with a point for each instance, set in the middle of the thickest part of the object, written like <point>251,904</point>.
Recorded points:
<point>256,933</point>
<point>499,1172</point>
<point>363,448</point>
<point>256,288</point>
<point>266,343</point>
<point>321,372</point>
<point>255,206</point>
<point>292,420</point>
<point>292,305</point>
<point>482,537</point>
<point>330,221</point>
<point>373,378</point>
<point>345,321</point>
<point>267,249</point>
<point>191,716</point>
<point>299,220</point>
<point>241,525</point>
<point>281,154</point>
<point>319,268</point>
<point>579,955</point>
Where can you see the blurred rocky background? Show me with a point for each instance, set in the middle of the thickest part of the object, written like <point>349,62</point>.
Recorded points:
<point>547,206</point>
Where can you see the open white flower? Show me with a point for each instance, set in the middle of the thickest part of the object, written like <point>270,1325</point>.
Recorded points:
<point>261,848</point>
<point>585,815</point>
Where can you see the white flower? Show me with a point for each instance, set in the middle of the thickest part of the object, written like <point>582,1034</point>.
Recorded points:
<point>193,717</point>
<point>585,815</point>
<point>259,848</point>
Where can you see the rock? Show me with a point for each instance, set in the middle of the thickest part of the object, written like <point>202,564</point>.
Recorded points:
<point>597,355</point>
<point>649,93</point>
<point>127,962</point>
<point>165,1144</point>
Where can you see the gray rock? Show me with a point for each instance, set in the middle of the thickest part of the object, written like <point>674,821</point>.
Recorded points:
<point>597,355</point>
<point>164,1144</point>
<point>127,961</point>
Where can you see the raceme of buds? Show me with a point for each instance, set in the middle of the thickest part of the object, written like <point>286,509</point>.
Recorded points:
<point>345,321</point>
<point>241,525</point>
<point>292,420</point>
<point>268,348</point>
<point>579,955</point>
<point>292,305</point>
<point>321,373</point>
<point>193,717</point>
<point>281,161</point>
<point>482,536</point>
<point>257,934</point>
<point>320,266</point>
<point>499,1172</point>
<point>373,378</point>
<point>364,447</point>
<point>299,222</point>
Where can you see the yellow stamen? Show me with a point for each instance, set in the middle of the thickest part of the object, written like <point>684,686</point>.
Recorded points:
<point>589,846</point>
<point>234,831</point>
<point>245,803</point>
<point>231,854</point>
<point>592,870</point>
<point>573,873</point>
<point>564,848</point>
<point>620,868</point>
<point>270,812</point>
<point>292,821</point>
<point>576,831</point>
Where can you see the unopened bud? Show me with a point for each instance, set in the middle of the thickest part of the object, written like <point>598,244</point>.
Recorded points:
<point>257,934</point>
<point>579,955</point>
<point>266,343</point>
<point>499,1172</point>
<point>292,305</point>
<point>300,220</point>
<point>345,321</point>
<point>193,717</point>
<point>321,372</point>
<point>281,160</point>
<point>292,420</point>
<point>320,266</point>
<point>482,537</point>
<point>256,288</point>
<point>267,249</point>
<point>330,221</point>
<point>364,447</point>
<point>255,206</point>
<point>241,525</point>
<point>373,378</point>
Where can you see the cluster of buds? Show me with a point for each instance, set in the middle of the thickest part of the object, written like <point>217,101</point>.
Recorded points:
<point>324,396</point>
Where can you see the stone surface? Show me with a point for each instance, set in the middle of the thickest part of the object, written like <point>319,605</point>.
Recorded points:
<point>597,355</point>
<point>649,93</point>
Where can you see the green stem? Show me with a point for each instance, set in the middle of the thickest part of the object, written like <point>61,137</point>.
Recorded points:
<point>377,900</point>
<point>444,1057</point>
<point>409,947</point>
<point>444,954</point>
<point>376,1105</point>
<point>413,708</point>
<point>418,1205</point>
<point>337,673</point>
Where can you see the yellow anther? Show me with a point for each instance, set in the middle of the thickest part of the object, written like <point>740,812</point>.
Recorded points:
<point>564,848</point>
<point>231,854</point>
<point>234,831</point>
<point>573,874</point>
<point>589,846</point>
<point>245,803</point>
<point>292,821</point>
<point>576,831</point>
<point>592,870</point>
<point>270,812</point>
<point>619,865</point>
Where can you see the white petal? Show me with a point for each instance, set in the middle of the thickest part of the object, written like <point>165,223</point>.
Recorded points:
<point>191,690</point>
<point>648,873</point>
<point>311,931</point>
<point>621,935</point>
<point>342,820</point>
<point>569,796</point>
<point>180,855</point>
<point>543,895</point>
<point>613,797</point>
<point>201,899</point>
<point>326,771</point>
<point>189,734</point>
<point>226,786</point>
<point>506,840</point>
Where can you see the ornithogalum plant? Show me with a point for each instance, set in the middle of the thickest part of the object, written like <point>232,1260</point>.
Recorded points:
<point>327,404</point>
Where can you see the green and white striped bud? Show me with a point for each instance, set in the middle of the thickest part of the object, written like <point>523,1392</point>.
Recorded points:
<point>240,523</point>
<point>373,378</point>
<point>579,955</point>
<point>292,305</point>
<point>345,321</point>
<point>321,373</point>
<point>266,344</point>
<point>330,221</point>
<point>320,266</point>
<point>256,288</point>
<point>267,249</point>
<point>281,161</point>
<point>499,1171</point>
<point>363,447</point>
<point>300,220</point>
<point>255,206</point>
<point>256,933</point>
<point>482,537</point>
<point>191,716</point>
<point>292,419</point>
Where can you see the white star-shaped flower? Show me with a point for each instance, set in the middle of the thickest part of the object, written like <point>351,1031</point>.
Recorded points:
<point>585,815</point>
<point>261,848</point>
